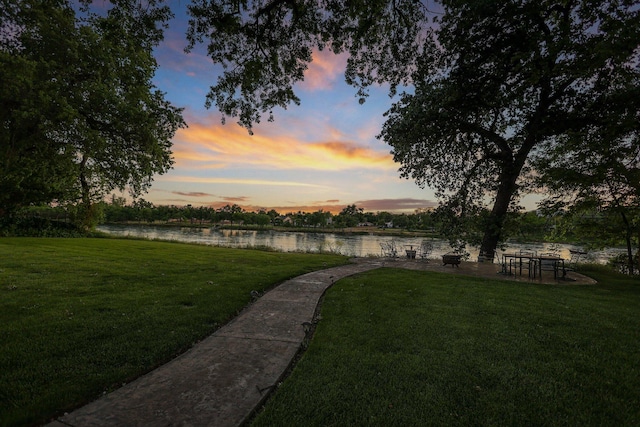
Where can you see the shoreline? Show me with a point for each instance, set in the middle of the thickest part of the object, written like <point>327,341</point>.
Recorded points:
<point>370,230</point>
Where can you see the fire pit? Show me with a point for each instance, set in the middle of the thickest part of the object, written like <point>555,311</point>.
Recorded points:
<point>453,259</point>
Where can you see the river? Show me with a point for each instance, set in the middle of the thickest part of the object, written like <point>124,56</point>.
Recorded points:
<point>356,245</point>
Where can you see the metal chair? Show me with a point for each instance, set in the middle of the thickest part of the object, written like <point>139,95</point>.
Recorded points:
<point>575,258</point>
<point>389,249</point>
<point>425,250</point>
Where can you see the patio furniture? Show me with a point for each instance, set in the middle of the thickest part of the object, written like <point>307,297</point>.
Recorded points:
<point>516,262</point>
<point>411,251</point>
<point>451,258</point>
<point>575,258</point>
<point>426,248</point>
<point>389,249</point>
<point>550,261</point>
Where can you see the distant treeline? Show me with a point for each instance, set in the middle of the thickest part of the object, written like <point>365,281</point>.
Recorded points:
<point>531,226</point>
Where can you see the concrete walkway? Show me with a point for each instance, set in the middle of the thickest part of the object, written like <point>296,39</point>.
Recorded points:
<point>225,377</point>
<point>222,379</point>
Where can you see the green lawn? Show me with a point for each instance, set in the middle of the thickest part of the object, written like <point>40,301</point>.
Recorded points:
<point>407,348</point>
<point>78,317</point>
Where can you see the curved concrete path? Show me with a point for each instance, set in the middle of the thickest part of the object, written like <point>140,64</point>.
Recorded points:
<point>222,379</point>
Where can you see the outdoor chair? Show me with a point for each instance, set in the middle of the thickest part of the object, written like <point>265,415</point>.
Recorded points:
<point>389,249</point>
<point>575,258</point>
<point>425,250</point>
<point>571,264</point>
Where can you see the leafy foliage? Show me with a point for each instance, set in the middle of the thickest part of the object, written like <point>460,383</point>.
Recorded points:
<point>264,47</point>
<point>82,116</point>
<point>33,165</point>
<point>595,171</point>
<point>505,86</point>
<point>30,226</point>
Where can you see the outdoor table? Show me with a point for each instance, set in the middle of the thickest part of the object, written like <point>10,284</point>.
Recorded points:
<point>554,260</point>
<point>516,257</point>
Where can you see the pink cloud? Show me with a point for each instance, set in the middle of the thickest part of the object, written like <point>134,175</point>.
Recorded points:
<point>236,199</point>
<point>323,70</point>
<point>192,194</point>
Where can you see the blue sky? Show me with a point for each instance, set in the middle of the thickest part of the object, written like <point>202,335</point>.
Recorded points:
<point>322,154</point>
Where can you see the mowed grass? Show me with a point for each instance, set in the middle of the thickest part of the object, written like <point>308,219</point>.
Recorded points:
<point>79,317</point>
<point>405,348</point>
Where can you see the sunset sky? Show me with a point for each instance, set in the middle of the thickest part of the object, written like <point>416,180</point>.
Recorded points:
<point>322,154</point>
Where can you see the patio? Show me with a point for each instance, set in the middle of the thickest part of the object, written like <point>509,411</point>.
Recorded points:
<point>482,269</point>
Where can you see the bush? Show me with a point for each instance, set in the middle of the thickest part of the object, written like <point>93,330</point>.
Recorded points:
<point>620,263</point>
<point>29,226</point>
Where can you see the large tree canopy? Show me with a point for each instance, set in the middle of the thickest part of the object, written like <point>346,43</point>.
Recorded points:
<point>507,84</point>
<point>30,107</point>
<point>596,172</point>
<point>492,87</point>
<point>80,114</point>
<point>265,46</point>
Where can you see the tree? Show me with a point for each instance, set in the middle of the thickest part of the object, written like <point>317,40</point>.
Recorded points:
<point>262,220</point>
<point>86,105</point>
<point>273,216</point>
<point>350,216</point>
<point>143,210</point>
<point>597,171</point>
<point>319,218</point>
<point>492,87</point>
<point>506,84</point>
<point>230,213</point>
<point>30,110</point>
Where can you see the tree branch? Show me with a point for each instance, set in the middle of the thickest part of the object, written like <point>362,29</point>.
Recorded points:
<point>501,143</point>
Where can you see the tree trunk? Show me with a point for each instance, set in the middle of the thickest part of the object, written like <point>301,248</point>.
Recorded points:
<point>495,221</point>
<point>85,212</point>
<point>629,242</point>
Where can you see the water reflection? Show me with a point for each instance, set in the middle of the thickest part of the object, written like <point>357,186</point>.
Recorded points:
<point>351,245</point>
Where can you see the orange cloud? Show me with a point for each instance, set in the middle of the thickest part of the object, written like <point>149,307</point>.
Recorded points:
<point>253,182</point>
<point>348,151</point>
<point>219,146</point>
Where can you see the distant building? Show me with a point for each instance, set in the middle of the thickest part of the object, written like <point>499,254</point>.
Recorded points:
<point>288,220</point>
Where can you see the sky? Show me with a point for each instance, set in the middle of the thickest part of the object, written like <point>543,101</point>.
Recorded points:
<point>322,154</point>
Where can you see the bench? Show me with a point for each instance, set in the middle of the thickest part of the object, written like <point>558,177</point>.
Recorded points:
<point>453,259</point>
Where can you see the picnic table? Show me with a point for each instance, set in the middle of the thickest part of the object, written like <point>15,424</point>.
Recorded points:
<point>535,264</point>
